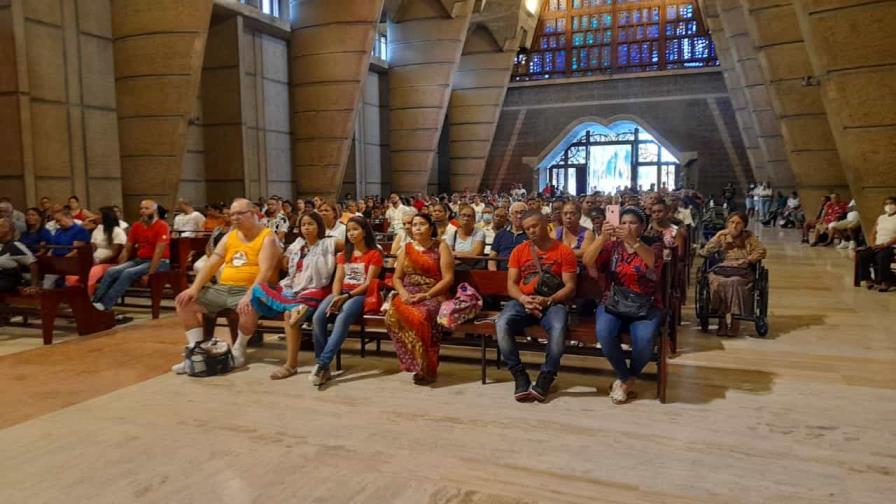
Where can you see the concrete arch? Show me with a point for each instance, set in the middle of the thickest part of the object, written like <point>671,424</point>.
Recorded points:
<point>575,128</point>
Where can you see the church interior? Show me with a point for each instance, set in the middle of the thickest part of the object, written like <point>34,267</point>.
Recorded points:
<point>279,161</point>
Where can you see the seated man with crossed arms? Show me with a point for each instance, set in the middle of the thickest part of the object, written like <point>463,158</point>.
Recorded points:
<point>247,256</point>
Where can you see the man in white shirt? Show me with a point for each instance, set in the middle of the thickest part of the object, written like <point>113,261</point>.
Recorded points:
<point>188,221</point>
<point>275,219</point>
<point>876,260</point>
<point>396,212</point>
<point>478,206</point>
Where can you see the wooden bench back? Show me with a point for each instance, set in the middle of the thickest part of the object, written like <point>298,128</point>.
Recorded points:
<point>78,265</point>
<point>181,248</point>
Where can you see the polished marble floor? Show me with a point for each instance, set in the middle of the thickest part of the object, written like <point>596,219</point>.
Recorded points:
<point>806,415</point>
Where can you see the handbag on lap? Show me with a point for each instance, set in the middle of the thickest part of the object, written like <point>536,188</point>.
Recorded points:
<point>624,302</point>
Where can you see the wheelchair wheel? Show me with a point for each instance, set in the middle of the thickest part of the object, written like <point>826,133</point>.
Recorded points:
<point>704,324</point>
<point>701,302</point>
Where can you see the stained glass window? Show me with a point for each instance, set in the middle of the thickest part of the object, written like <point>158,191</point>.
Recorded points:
<point>593,37</point>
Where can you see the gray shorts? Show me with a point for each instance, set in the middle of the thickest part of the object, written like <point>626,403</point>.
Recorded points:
<point>214,298</point>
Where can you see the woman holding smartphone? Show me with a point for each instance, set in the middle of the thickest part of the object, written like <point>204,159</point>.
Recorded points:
<point>356,267</point>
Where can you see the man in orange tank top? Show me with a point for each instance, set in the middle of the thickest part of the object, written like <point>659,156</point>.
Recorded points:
<point>247,256</point>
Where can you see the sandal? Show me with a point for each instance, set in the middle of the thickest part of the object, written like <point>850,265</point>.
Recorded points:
<point>282,372</point>
<point>619,394</point>
<point>297,314</point>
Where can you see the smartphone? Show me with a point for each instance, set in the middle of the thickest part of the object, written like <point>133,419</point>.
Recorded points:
<point>613,214</point>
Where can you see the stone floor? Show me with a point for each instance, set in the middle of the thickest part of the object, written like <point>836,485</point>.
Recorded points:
<point>806,415</point>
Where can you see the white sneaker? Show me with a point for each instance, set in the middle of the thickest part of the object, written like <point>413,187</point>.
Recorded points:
<point>99,306</point>
<point>239,357</point>
<point>314,371</point>
<point>852,245</point>
<point>843,245</point>
<point>179,368</point>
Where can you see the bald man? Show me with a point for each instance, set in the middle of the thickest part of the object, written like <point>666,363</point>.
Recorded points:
<point>146,252</point>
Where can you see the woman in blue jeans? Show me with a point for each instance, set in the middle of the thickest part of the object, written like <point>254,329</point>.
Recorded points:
<point>620,253</point>
<point>356,267</point>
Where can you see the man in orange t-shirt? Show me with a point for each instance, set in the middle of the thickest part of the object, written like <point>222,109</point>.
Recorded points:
<point>528,264</point>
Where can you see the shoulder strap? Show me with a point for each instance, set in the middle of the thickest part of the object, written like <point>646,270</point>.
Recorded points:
<point>535,256</point>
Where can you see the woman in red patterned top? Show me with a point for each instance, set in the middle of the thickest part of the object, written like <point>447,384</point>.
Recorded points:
<point>620,253</point>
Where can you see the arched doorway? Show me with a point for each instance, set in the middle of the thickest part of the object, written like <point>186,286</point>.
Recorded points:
<point>593,157</point>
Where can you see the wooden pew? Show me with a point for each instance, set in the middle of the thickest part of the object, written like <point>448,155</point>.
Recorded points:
<point>88,319</point>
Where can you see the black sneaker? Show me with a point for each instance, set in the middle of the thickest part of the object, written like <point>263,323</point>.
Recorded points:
<point>521,390</point>
<point>542,386</point>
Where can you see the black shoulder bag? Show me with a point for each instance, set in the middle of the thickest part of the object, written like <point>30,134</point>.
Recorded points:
<point>624,302</point>
<point>548,283</point>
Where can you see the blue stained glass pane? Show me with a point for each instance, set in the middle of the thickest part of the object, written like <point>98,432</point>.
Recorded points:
<point>553,42</point>
<point>692,27</point>
<point>595,21</point>
<point>535,63</point>
<point>607,20</point>
<point>577,39</point>
<point>640,32</point>
<point>561,40</point>
<point>686,11</point>
<point>671,12</point>
<point>549,26</point>
<point>635,54</point>
<point>544,42</point>
<point>670,29</point>
<point>687,48</point>
<point>548,61</point>
<point>560,60</point>
<point>589,38</point>
<point>653,31</point>
<point>681,29</point>
<point>594,57</point>
<point>605,55</point>
<point>623,34</point>
<point>622,56</point>
<point>608,36</point>
<point>655,14</point>
<point>636,15</point>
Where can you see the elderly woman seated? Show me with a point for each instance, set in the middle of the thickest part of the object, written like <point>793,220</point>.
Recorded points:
<point>731,281</point>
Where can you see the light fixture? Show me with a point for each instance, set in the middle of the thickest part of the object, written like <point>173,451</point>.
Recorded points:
<point>532,5</point>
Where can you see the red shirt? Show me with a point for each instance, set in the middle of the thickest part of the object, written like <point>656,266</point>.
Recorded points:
<point>557,259</point>
<point>631,271</point>
<point>146,238</point>
<point>419,204</point>
<point>833,211</point>
<point>357,267</point>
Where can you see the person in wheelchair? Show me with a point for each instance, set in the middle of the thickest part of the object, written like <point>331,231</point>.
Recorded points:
<point>731,280</point>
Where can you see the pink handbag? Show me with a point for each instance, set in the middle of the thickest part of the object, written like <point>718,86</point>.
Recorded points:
<point>465,305</point>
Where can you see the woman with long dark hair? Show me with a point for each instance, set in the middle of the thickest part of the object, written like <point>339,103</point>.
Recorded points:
<point>424,273</point>
<point>108,240</point>
<point>36,235</point>
<point>310,262</point>
<point>357,267</point>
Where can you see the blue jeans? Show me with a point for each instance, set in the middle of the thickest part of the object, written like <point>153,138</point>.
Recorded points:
<point>514,318</point>
<point>325,348</point>
<point>642,333</point>
<point>119,278</point>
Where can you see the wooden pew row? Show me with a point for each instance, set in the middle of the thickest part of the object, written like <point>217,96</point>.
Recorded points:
<point>46,303</point>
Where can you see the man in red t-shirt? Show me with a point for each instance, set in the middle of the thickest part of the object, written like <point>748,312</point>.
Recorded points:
<point>533,305</point>
<point>146,252</point>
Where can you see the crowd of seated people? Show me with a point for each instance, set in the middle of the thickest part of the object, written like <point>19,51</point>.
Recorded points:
<point>314,261</point>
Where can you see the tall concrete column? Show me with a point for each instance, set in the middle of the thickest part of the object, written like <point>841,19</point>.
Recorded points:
<point>734,21</point>
<point>158,47</point>
<point>782,53</point>
<point>852,47</point>
<point>733,81</point>
<point>425,44</point>
<point>329,60</point>
<point>478,90</point>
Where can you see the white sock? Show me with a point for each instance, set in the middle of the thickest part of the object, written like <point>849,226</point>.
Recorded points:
<point>241,341</point>
<point>194,335</point>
